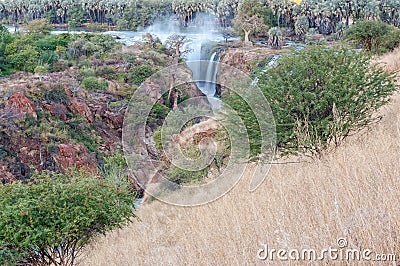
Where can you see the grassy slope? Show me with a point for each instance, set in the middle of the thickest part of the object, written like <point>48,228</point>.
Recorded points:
<point>352,193</point>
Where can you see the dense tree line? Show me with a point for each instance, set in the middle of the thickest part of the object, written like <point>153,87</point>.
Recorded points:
<point>327,15</point>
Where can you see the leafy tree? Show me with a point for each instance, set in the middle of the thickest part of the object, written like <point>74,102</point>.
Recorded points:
<point>314,110</point>
<point>39,27</point>
<point>275,37</point>
<point>248,17</point>
<point>374,36</point>
<point>226,10</point>
<point>25,59</point>
<point>301,26</point>
<point>50,221</point>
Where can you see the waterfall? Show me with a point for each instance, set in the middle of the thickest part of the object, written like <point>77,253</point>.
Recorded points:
<point>209,87</point>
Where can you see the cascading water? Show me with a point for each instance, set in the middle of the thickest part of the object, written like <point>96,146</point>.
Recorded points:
<point>205,75</point>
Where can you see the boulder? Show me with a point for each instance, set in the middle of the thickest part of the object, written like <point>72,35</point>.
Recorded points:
<point>75,156</point>
<point>21,106</point>
<point>57,109</point>
<point>244,59</point>
<point>80,107</point>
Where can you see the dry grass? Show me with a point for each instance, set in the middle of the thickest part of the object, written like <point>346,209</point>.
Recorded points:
<point>352,193</point>
<point>392,60</point>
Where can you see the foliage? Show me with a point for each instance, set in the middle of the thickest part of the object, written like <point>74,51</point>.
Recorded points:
<point>275,37</point>
<point>319,96</point>
<point>182,176</point>
<point>374,36</point>
<point>301,26</point>
<point>56,93</point>
<point>41,27</point>
<point>90,44</point>
<point>93,83</point>
<point>49,221</point>
<point>24,59</point>
<point>313,109</point>
<point>138,74</point>
<point>249,17</point>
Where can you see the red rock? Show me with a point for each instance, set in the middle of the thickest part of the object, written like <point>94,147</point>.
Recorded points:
<point>80,107</point>
<point>114,120</point>
<point>5,175</point>
<point>57,109</point>
<point>75,156</point>
<point>19,104</point>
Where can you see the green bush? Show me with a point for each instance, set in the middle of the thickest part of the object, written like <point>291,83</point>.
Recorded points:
<point>319,96</point>
<point>87,72</point>
<point>50,220</point>
<point>24,60</point>
<point>375,36</point>
<point>92,83</point>
<point>56,94</point>
<point>139,74</point>
<point>181,176</point>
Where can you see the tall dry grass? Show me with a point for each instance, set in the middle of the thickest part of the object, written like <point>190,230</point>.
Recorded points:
<point>352,193</point>
<point>391,60</point>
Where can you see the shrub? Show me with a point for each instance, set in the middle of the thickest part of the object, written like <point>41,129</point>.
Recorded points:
<point>375,36</point>
<point>139,74</point>
<point>87,72</point>
<point>301,26</point>
<point>50,221</point>
<point>56,94</point>
<point>25,59</point>
<point>107,72</point>
<point>320,95</point>
<point>181,176</point>
<point>92,83</point>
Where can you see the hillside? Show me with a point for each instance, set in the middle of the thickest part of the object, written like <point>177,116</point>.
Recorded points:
<point>352,193</point>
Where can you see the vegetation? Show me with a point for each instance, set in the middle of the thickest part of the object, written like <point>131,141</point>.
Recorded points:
<point>314,110</point>
<point>375,36</point>
<point>323,15</point>
<point>319,97</point>
<point>248,17</point>
<point>92,83</point>
<point>49,221</point>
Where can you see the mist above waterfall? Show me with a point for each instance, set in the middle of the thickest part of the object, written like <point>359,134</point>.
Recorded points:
<point>201,35</point>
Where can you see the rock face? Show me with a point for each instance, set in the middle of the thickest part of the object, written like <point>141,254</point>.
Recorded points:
<point>75,156</point>
<point>20,106</point>
<point>80,107</point>
<point>57,109</point>
<point>244,59</point>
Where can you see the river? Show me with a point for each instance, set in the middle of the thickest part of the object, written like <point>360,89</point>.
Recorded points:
<point>200,34</point>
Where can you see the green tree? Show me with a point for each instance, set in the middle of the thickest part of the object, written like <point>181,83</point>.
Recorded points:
<point>50,221</point>
<point>374,36</point>
<point>25,60</point>
<point>314,110</point>
<point>249,18</point>
<point>301,26</point>
<point>38,27</point>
